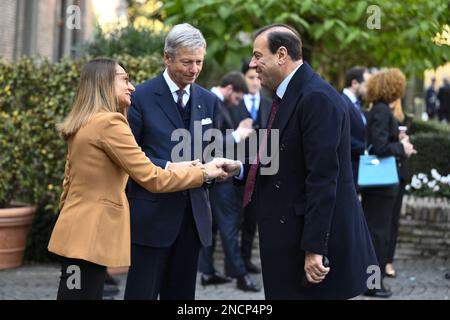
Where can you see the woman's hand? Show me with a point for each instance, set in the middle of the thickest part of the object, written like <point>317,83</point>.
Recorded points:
<point>214,169</point>
<point>409,148</point>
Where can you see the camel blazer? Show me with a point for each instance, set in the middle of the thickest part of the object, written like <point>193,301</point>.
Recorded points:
<point>94,221</point>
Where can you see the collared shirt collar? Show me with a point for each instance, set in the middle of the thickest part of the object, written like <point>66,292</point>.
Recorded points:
<point>173,87</point>
<point>248,100</point>
<point>350,95</point>
<point>281,90</point>
<point>217,92</point>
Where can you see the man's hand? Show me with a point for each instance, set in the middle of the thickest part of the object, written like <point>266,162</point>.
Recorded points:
<point>314,269</point>
<point>231,167</point>
<point>183,164</point>
<point>245,128</point>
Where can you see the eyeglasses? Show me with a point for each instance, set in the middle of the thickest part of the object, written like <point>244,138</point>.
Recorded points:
<point>124,74</point>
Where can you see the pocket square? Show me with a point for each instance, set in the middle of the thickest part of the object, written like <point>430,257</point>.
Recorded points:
<point>206,121</point>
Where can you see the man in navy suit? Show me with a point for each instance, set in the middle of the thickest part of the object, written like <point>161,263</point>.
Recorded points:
<point>168,229</point>
<point>257,107</point>
<point>223,197</point>
<point>353,93</point>
<point>308,208</point>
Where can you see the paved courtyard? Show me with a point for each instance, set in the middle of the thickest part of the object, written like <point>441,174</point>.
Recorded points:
<point>421,279</point>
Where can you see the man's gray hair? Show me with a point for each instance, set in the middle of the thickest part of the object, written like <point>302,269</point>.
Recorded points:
<point>183,35</point>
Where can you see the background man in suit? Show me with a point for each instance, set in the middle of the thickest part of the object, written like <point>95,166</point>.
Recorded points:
<point>256,106</point>
<point>308,209</point>
<point>444,101</point>
<point>431,99</point>
<point>223,198</point>
<point>167,230</point>
<point>353,94</point>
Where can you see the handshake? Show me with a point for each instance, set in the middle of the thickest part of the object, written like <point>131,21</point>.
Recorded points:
<point>218,168</point>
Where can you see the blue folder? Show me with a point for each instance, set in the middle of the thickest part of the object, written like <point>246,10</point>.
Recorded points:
<point>377,171</point>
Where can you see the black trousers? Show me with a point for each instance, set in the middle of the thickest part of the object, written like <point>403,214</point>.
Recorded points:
<point>81,280</point>
<point>225,211</point>
<point>248,227</point>
<point>378,210</point>
<point>396,221</point>
<point>170,272</point>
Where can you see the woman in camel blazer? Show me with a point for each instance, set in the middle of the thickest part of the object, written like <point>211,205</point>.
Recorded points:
<point>93,229</point>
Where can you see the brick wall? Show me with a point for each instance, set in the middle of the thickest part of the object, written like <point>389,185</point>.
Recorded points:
<point>424,228</point>
<point>43,39</point>
<point>46,33</point>
<point>7,28</point>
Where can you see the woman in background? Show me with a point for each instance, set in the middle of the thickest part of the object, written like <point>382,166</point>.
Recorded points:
<point>383,89</point>
<point>93,228</point>
<point>403,175</point>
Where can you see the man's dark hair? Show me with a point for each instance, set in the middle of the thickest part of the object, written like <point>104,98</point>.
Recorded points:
<point>290,40</point>
<point>237,81</point>
<point>356,73</point>
<point>246,66</point>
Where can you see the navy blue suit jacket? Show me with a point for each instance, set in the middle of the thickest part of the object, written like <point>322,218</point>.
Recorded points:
<point>357,135</point>
<point>153,116</point>
<point>310,204</point>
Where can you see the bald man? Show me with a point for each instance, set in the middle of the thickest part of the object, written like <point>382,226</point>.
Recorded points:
<point>308,209</point>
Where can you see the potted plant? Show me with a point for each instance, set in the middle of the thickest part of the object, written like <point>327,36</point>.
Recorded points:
<point>15,215</point>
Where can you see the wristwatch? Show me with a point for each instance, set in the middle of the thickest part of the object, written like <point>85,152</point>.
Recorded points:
<point>206,177</point>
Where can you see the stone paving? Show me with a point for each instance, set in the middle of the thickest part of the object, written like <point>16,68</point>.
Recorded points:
<point>420,279</point>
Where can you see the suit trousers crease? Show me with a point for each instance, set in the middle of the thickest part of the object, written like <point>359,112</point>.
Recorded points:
<point>167,272</point>
<point>225,211</point>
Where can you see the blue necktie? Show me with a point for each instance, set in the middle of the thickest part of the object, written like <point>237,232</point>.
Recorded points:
<point>253,111</point>
<point>180,94</point>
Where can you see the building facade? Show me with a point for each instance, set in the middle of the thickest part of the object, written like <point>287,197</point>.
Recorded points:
<point>48,28</point>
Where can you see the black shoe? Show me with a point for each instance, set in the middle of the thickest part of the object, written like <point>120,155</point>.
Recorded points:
<point>110,291</point>
<point>251,268</point>
<point>110,280</point>
<point>447,276</point>
<point>378,293</point>
<point>208,279</point>
<point>245,283</point>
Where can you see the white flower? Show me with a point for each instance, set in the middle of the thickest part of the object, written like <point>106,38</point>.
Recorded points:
<point>435,174</point>
<point>416,184</point>
<point>432,184</point>
<point>445,180</point>
<point>421,176</point>
<point>436,188</point>
<point>425,180</point>
<point>408,187</point>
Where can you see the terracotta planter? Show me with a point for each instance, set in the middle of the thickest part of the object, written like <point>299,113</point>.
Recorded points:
<point>14,223</point>
<point>117,271</point>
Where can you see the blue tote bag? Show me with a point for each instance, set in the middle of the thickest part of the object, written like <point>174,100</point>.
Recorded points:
<point>377,171</point>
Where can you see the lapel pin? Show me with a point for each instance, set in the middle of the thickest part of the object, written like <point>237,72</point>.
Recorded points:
<point>199,106</point>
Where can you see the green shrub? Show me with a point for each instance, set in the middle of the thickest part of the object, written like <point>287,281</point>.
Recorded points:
<point>127,40</point>
<point>35,95</point>
<point>433,126</point>
<point>433,153</point>
<point>433,157</point>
